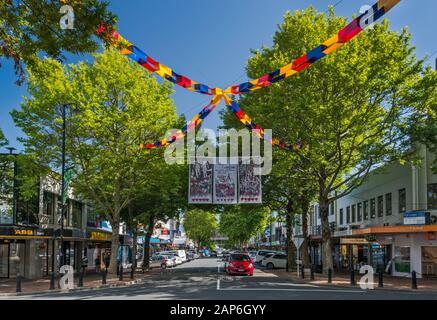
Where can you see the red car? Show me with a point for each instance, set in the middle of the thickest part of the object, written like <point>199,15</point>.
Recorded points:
<point>240,263</point>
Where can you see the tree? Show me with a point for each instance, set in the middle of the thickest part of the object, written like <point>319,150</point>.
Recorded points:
<point>240,223</point>
<point>350,109</point>
<point>289,190</point>
<point>114,106</point>
<point>200,225</point>
<point>3,140</point>
<point>32,27</point>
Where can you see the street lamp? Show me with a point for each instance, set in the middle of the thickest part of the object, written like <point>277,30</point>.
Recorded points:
<point>14,188</point>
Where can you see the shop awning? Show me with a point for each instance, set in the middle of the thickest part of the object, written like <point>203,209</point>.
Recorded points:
<point>395,229</point>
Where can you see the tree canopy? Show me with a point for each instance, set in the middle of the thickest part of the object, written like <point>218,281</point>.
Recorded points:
<point>32,27</point>
<point>350,109</point>
<point>113,106</point>
<point>200,225</point>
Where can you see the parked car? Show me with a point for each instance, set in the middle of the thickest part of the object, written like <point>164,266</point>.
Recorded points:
<point>261,254</point>
<point>240,263</point>
<point>275,261</point>
<point>195,254</point>
<point>190,256</point>
<point>252,254</point>
<point>175,257</point>
<point>213,254</point>
<point>159,261</point>
<point>180,253</point>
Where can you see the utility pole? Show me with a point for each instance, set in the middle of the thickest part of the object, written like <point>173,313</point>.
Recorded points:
<point>63,191</point>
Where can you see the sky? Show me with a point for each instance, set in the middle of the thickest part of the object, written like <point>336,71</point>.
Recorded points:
<point>210,41</point>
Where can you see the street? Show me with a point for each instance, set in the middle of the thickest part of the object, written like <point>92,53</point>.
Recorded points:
<point>205,279</point>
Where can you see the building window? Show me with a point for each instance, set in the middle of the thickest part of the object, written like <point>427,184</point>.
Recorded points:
<point>49,206</point>
<point>348,215</point>
<point>388,209</point>
<point>372,208</point>
<point>366,209</point>
<point>341,216</point>
<point>331,208</point>
<point>359,212</point>
<point>380,206</point>
<point>76,219</point>
<point>432,196</point>
<point>353,214</point>
<point>402,200</point>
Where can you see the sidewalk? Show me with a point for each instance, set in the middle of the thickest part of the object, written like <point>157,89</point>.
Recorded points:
<point>343,280</point>
<point>91,281</point>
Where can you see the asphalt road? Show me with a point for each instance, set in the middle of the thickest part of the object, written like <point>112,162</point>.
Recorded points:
<point>205,279</point>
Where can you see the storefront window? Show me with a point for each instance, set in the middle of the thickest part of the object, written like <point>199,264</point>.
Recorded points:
<point>402,259</point>
<point>359,212</point>
<point>429,261</point>
<point>402,200</point>
<point>380,206</point>
<point>432,196</point>
<point>388,209</point>
<point>372,208</point>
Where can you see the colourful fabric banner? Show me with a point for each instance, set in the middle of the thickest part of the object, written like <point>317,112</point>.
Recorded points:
<point>126,48</point>
<point>198,118</point>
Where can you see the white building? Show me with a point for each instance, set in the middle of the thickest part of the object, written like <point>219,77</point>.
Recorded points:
<point>389,221</point>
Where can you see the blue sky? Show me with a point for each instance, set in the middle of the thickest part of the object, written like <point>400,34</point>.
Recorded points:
<point>210,41</point>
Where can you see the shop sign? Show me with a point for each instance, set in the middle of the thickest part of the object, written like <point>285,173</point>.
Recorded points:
<point>100,236</point>
<point>416,218</point>
<point>354,241</point>
<point>23,232</point>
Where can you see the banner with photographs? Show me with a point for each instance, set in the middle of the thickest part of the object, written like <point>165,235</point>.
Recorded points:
<point>200,184</point>
<point>249,184</point>
<point>225,183</point>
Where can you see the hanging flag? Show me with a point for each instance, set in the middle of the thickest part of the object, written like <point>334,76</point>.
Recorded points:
<point>200,182</point>
<point>249,184</point>
<point>225,184</point>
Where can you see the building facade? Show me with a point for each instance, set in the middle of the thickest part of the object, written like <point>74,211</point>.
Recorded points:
<point>389,222</point>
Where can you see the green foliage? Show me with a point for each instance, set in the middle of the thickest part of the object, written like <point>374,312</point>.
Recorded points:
<point>31,27</point>
<point>3,140</point>
<point>200,225</point>
<point>350,108</point>
<point>240,223</point>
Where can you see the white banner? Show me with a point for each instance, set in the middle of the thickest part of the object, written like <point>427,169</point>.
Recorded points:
<point>200,184</point>
<point>225,183</point>
<point>249,184</point>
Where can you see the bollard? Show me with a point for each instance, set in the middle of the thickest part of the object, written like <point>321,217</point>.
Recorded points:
<point>18,283</point>
<point>52,281</point>
<point>329,275</point>
<point>104,273</point>
<point>312,272</point>
<point>413,280</point>
<point>80,284</point>
<point>121,273</point>
<point>303,272</point>
<point>132,272</point>
<point>381,279</point>
<point>353,277</point>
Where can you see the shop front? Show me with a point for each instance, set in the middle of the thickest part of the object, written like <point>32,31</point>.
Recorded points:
<point>407,249</point>
<point>97,249</point>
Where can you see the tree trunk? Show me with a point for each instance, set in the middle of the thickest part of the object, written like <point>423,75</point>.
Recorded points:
<point>327,260</point>
<point>134,249</point>
<point>149,233</point>
<point>305,245</point>
<point>115,224</point>
<point>291,248</point>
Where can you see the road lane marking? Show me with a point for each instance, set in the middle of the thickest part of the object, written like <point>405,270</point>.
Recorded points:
<point>295,290</point>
